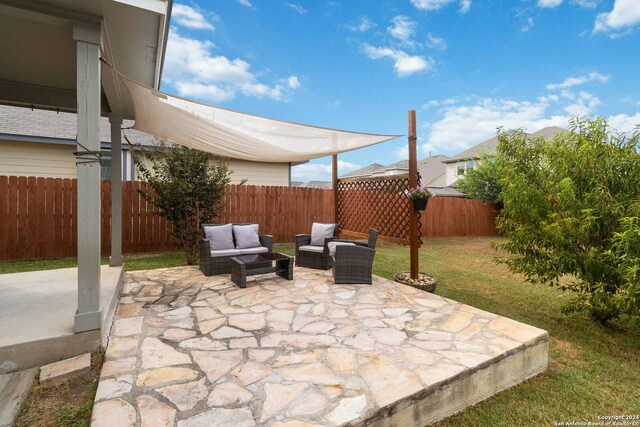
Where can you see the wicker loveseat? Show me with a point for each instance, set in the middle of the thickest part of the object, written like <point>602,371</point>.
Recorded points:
<point>218,261</point>
<point>313,256</point>
<point>353,260</point>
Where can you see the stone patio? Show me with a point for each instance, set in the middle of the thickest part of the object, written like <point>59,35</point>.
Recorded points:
<point>190,350</point>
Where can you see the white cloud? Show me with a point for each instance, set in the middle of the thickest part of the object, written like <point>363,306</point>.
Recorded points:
<point>362,26</point>
<point>293,82</point>
<point>465,6</point>
<point>549,3</point>
<point>527,25</point>
<point>187,16</point>
<point>301,10</point>
<point>589,4</point>
<point>428,5</point>
<point>584,105</point>
<point>620,21</point>
<point>401,152</point>
<point>435,42</point>
<point>624,122</point>
<point>466,125</point>
<point>404,64</point>
<point>403,28</point>
<point>245,3</point>
<point>569,82</point>
<point>197,73</point>
<point>462,126</point>
<point>320,172</point>
<point>333,104</point>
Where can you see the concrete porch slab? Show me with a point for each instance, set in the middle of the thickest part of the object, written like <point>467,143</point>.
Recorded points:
<point>37,313</point>
<point>190,350</point>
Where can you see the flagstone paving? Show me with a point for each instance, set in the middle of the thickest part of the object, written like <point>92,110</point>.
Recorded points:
<point>187,350</point>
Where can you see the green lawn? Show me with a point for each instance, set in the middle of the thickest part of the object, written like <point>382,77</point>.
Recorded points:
<point>593,370</point>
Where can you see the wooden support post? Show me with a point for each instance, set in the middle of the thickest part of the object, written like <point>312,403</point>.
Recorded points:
<point>413,182</point>
<point>87,37</point>
<point>116,190</point>
<point>334,185</point>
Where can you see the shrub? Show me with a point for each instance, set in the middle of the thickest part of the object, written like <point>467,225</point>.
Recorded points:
<point>187,186</point>
<point>572,215</point>
<point>483,182</point>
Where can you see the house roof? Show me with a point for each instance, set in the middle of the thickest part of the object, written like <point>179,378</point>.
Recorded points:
<point>489,146</point>
<point>365,171</point>
<point>431,167</point>
<point>61,128</point>
<point>548,132</point>
<point>402,164</point>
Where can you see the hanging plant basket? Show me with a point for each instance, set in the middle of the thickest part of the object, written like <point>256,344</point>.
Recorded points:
<point>420,205</point>
<point>424,282</point>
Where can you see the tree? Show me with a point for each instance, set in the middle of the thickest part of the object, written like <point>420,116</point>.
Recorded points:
<point>572,215</point>
<point>187,186</point>
<point>483,182</point>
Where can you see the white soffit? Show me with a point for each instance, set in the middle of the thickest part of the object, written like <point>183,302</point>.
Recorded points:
<point>237,135</point>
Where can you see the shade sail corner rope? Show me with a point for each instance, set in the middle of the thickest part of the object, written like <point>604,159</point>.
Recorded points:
<point>234,134</point>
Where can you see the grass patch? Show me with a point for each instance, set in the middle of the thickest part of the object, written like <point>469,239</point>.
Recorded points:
<point>593,370</point>
<point>64,403</point>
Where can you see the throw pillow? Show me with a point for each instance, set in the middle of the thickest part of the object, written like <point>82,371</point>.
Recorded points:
<point>246,236</point>
<point>219,236</point>
<point>319,232</point>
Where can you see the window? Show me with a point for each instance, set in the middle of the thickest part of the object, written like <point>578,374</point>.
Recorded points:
<point>470,165</point>
<point>463,167</point>
<point>105,170</point>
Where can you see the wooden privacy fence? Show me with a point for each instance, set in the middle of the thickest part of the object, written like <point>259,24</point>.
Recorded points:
<point>38,216</point>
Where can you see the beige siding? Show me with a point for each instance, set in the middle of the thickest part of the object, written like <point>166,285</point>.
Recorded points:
<point>36,159</point>
<point>18,158</point>
<point>258,173</point>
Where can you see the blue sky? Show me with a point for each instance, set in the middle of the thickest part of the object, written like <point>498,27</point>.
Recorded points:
<point>466,66</point>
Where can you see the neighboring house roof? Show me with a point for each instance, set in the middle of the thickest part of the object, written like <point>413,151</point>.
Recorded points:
<point>365,171</point>
<point>548,132</point>
<point>402,164</point>
<point>446,192</point>
<point>431,167</point>
<point>489,146</point>
<point>317,184</point>
<point>61,128</point>
<point>296,183</point>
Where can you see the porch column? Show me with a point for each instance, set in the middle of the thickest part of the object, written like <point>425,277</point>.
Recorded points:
<point>116,190</point>
<point>87,36</point>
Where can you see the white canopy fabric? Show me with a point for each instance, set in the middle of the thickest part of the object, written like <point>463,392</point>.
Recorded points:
<point>237,135</point>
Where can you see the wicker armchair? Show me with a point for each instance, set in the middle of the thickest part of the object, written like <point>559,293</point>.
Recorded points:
<point>210,265</point>
<point>353,264</point>
<point>317,258</point>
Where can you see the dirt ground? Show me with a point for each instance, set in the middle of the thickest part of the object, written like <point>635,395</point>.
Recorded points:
<point>64,403</point>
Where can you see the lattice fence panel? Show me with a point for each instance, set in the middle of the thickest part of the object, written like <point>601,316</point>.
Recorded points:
<point>379,203</point>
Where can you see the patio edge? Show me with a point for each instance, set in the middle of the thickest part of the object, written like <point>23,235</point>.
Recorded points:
<point>468,388</point>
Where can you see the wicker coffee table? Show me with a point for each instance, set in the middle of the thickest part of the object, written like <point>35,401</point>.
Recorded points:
<point>250,265</point>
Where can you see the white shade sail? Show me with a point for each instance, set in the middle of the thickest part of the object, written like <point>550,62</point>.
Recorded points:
<point>237,135</point>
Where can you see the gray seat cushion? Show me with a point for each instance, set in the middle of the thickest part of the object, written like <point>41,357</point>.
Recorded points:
<point>246,236</point>
<point>220,236</point>
<point>225,252</point>
<point>333,245</point>
<point>251,251</point>
<point>320,231</point>
<point>311,248</point>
